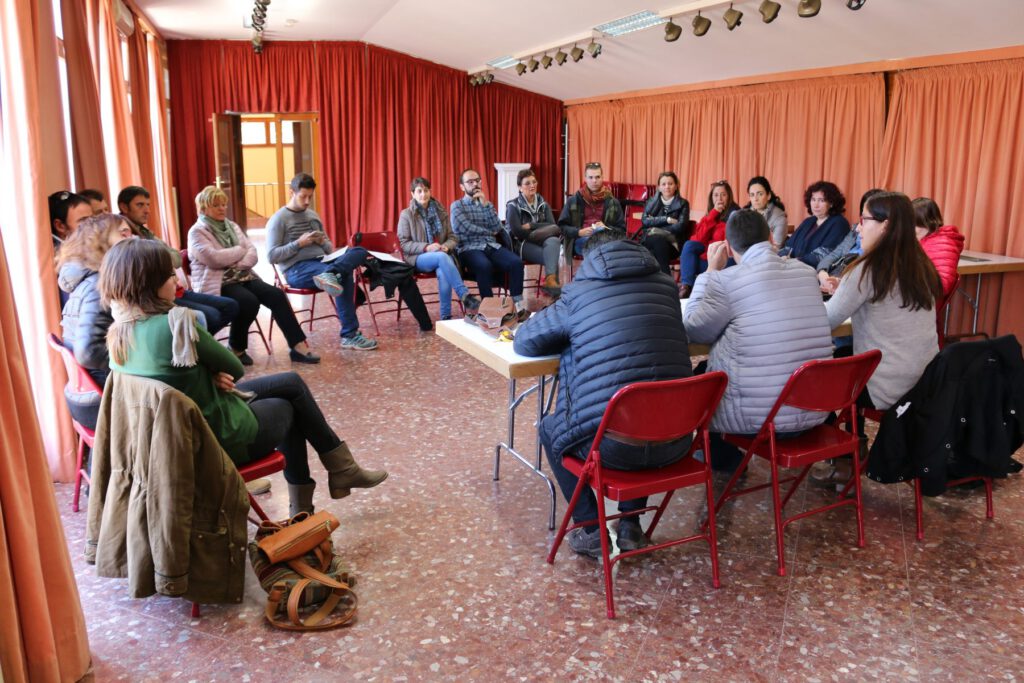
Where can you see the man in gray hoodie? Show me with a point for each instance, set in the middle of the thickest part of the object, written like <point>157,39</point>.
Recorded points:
<point>764,318</point>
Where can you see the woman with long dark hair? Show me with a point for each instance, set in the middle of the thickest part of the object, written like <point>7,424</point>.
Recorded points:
<point>151,337</point>
<point>890,294</point>
<point>694,257</point>
<point>664,221</point>
<point>942,243</point>
<point>767,203</point>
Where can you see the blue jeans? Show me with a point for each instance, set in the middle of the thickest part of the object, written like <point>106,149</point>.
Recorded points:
<point>614,455</point>
<point>301,274</point>
<point>482,262</point>
<point>447,277</point>
<point>220,311</point>
<point>690,263</point>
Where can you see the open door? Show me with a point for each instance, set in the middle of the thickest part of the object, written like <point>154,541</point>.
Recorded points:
<point>227,150</point>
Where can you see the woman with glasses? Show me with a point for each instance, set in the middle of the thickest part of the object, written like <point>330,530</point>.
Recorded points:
<point>823,229</point>
<point>768,204</point>
<point>693,259</point>
<point>890,294</point>
<point>665,218</point>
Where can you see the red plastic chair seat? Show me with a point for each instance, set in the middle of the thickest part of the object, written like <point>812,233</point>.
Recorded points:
<point>264,467</point>
<point>629,484</point>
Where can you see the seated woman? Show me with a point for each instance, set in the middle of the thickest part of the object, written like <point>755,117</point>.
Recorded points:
<point>664,221</point>
<point>832,265</point>
<point>942,243</point>
<point>150,337</point>
<point>890,294</point>
<point>222,258</point>
<point>768,204</point>
<point>428,245</point>
<point>824,229</point>
<point>537,238</point>
<point>693,259</point>
<point>85,319</point>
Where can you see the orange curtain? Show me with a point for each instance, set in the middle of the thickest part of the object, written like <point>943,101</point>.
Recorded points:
<point>33,164</point>
<point>956,134</point>
<point>142,123</point>
<point>118,130</point>
<point>43,637</point>
<point>793,133</point>
<point>161,136</point>
<point>83,91</point>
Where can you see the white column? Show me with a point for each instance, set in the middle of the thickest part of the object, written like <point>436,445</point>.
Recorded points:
<point>507,188</point>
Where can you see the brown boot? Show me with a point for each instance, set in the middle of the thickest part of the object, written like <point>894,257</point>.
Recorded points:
<point>684,291</point>
<point>345,474</point>
<point>552,286</point>
<point>300,498</point>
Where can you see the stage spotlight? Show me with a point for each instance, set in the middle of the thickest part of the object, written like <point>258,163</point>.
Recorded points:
<point>855,4</point>
<point>532,64</point>
<point>769,10</point>
<point>808,8</point>
<point>594,48</point>
<point>700,25</point>
<point>672,31</point>
<point>577,53</point>
<point>520,68</point>
<point>488,77</point>
<point>546,61</point>
<point>732,17</point>
<point>560,57</point>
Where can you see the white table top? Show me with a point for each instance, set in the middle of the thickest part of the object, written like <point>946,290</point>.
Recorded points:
<point>500,356</point>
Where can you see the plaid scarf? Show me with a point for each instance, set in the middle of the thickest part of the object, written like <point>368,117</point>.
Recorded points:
<point>593,198</point>
<point>430,218</point>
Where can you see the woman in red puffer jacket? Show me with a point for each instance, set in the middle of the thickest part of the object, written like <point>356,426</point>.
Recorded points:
<point>942,243</point>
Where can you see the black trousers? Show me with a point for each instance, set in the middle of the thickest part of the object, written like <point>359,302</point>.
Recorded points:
<point>288,418</point>
<point>250,296</point>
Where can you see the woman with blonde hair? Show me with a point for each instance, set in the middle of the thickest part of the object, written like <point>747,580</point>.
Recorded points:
<point>84,319</point>
<point>151,337</point>
<point>222,258</point>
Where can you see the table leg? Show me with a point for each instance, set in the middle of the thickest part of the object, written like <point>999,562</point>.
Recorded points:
<point>976,304</point>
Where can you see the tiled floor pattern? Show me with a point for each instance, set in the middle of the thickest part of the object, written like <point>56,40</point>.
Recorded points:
<point>453,584</point>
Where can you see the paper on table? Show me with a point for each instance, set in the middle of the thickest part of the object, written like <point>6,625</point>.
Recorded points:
<point>379,254</point>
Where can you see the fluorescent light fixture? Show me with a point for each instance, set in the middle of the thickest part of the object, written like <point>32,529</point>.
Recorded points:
<point>503,62</point>
<point>634,22</point>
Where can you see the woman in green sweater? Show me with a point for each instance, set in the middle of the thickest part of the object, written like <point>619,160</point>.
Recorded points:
<point>151,337</point>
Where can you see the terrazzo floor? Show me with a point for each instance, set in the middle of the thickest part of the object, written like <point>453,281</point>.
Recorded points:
<point>453,585</point>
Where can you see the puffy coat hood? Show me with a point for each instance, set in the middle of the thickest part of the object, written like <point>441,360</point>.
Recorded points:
<point>71,275</point>
<point>617,261</point>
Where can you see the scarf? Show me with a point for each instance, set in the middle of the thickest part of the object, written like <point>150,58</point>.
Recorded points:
<point>222,231</point>
<point>120,333</point>
<point>184,336</point>
<point>593,198</point>
<point>430,219</point>
<point>536,210</point>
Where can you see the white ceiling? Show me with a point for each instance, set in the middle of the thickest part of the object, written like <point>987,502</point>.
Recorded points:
<point>465,34</point>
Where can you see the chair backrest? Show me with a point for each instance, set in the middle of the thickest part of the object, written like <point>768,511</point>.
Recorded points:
<point>662,411</point>
<point>79,378</point>
<point>386,242</point>
<point>186,269</point>
<point>827,385</point>
<point>637,193</point>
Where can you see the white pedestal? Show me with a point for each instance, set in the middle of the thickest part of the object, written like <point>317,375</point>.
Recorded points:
<point>507,188</point>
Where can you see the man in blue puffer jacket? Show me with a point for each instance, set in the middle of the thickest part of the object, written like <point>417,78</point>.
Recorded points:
<point>617,323</point>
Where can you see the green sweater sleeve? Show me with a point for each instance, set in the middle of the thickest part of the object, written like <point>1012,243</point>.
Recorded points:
<point>217,358</point>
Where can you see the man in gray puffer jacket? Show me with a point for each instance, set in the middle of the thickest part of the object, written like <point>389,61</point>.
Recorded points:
<point>764,318</point>
<point>618,322</point>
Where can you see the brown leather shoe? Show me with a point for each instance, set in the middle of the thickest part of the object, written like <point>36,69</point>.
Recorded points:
<point>552,287</point>
<point>684,291</point>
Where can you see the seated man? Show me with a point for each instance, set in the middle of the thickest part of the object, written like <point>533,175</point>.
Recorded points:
<point>296,241</point>
<point>755,341</point>
<point>592,208</point>
<point>217,311</point>
<point>97,201</point>
<point>476,224</point>
<point>617,323</point>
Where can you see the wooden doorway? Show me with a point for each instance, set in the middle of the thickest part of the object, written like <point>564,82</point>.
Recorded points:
<point>257,155</point>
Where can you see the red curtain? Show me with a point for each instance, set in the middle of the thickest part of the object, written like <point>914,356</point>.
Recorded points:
<point>385,117</point>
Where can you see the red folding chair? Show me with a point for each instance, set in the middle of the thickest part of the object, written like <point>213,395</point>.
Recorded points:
<point>186,269</point>
<point>312,292</point>
<point>819,385</point>
<point>876,415</point>
<point>385,242</point>
<point>942,314</point>
<point>651,412</point>
<point>80,381</point>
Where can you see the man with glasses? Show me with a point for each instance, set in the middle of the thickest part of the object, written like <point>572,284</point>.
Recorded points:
<point>476,224</point>
<point>592,208</point>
